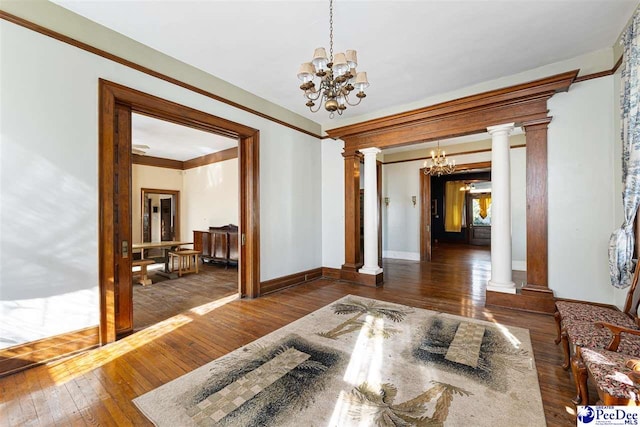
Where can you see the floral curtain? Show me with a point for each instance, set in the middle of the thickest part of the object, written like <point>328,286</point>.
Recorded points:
<point>622,240</point>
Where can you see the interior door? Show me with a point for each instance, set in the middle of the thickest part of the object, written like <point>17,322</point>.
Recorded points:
<point>425,216</point>
<point>166,223</point>
<point>146,220</point>
<point>479,219</point>
<point>123,289</point>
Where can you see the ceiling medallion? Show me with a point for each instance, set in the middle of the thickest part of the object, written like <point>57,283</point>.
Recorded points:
<point>336,78</point>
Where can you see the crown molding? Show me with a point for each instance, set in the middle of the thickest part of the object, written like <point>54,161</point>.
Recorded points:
<point>207,159</point>
<point>508,96</point>
<point>138,67</point>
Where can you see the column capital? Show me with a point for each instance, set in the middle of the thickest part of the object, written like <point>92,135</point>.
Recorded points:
<point>371,150</point>
<point>506,129</point>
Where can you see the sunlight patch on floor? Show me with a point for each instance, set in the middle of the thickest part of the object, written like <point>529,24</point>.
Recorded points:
<point>210,306</point>
<point>515,342</point>
<point>65,371</point>
<point>366,359</point>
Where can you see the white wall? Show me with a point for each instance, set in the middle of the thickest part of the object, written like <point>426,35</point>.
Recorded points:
<point>519,208</point>
<point>582,184</point>
<point>210,197</point>
<point>332,203</point>
<point>401,219</point>
<point>618,211</point>
<point>143,176</point>
<point>49,216</point>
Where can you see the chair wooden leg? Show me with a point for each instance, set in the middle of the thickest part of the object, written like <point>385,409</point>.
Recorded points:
<point>558,318</point>
<point>580,376</point>
<point>565,350</point>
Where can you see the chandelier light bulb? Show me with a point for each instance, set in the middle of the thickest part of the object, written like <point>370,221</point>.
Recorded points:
<point>320,60</point>
<point>352,58</point>
<point>306,72</point>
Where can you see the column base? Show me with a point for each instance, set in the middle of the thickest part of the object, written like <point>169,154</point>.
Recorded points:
<point>507,288</point>
<point>536,300</point>
<point>362,279</point>
<point>370,270</point>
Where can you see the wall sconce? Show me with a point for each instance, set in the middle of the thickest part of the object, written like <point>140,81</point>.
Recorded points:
<point>386,201</point>
<point>413,199</point>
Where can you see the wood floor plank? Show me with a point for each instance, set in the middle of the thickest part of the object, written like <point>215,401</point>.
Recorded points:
<point>96,388</point>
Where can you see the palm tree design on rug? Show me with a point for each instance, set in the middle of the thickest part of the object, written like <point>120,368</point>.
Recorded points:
<point>380,404</point>
<point>361,309</point>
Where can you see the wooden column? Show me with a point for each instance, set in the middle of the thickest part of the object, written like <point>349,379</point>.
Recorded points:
<point>352,257</point>
<point>537,204</point>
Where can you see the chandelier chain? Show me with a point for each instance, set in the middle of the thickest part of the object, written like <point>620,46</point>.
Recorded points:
<point>330,30</point>
<point>338,78</point>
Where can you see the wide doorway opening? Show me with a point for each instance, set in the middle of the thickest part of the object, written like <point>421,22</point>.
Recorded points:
<point>425,216</point>
<point>198,183</point>
<point>185,185</point>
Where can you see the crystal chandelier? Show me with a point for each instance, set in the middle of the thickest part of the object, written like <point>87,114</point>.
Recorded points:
<point>440,165</point>
<point>336,76</point>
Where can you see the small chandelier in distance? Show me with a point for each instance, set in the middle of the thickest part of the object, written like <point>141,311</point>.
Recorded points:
<point>440,165</point>
<point>336,78</point>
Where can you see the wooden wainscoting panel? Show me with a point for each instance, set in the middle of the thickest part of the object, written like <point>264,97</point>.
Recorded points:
<point>23,356</point>
<point>290,280</point>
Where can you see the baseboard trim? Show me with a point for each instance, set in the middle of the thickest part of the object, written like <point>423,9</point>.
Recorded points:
<point>331,273</point>
<point>410,256</point>
<point>33,353</point>
<point>294,279</point>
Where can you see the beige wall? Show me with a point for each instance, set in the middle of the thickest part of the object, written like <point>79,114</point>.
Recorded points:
<point>150,177</point>
<point>211,197</point>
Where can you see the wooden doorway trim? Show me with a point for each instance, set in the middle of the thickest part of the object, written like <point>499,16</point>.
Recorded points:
<point>425,215</point>
<point>175,194</point>
<point>524,104</point>
<point>113,95</point>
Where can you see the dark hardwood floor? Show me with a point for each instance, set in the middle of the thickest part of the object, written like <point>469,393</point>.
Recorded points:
<point>96,388</point>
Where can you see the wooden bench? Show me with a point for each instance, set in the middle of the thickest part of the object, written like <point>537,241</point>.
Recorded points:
<point>187,261</point>
<point>143,264</point>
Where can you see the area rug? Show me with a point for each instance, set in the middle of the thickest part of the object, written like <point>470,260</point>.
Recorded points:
<point>362,362</point>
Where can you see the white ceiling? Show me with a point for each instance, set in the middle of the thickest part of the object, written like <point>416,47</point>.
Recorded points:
<point>171,141</point>
<point>410,49</point>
